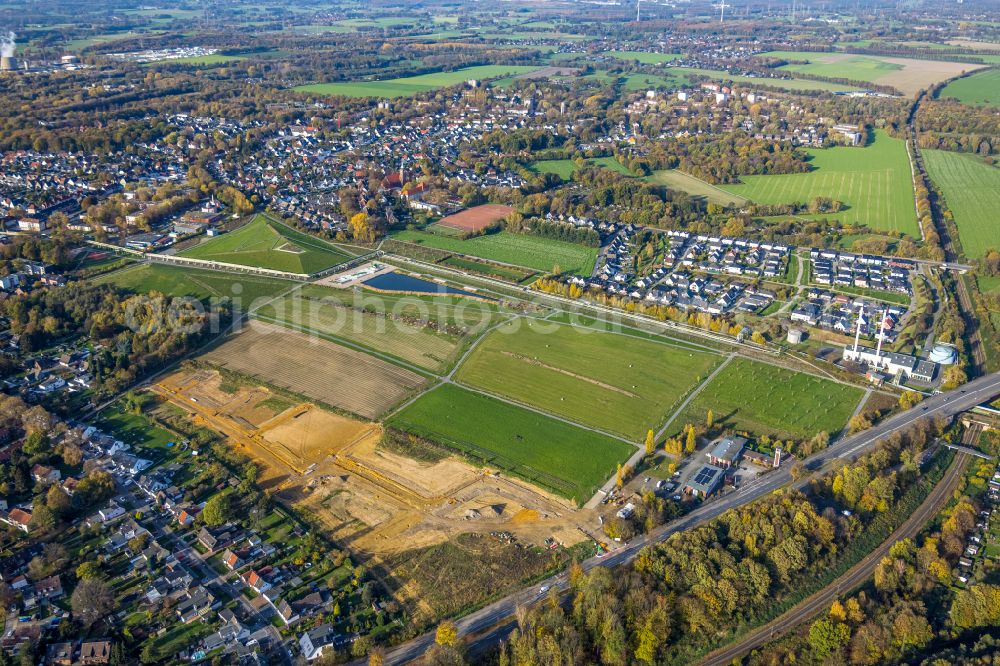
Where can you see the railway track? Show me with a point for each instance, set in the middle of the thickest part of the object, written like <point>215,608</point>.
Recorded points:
<point>855,576</point>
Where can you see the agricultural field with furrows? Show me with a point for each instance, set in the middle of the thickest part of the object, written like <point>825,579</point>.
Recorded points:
<point>520,249</point>
<point>764,399</point>
<point>971,188</point>
<point>264,243</point>
<point>873,182</point>
<point>200,284</point>
<point>420,338</point>
<point>567,460</point>
<point>317,369</point>
<point>412,85</point>
<point>617,384</point>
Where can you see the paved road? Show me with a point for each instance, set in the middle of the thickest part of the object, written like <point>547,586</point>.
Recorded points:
<point>855,576</point>
<point>487,618</point>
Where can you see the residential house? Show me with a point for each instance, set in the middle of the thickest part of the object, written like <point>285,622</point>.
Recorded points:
<point>18,518</point>
<point>314,642</point>
<point>59,654</point>
<point>95,652</point>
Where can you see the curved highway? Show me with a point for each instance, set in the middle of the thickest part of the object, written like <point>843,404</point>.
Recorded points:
<point>486,619</point>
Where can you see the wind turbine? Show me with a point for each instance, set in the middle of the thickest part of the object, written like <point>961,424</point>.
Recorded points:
<point>722,10</point>
<point>638,4</point>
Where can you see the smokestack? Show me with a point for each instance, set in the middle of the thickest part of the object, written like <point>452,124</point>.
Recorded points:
<point>881,335</point>
<point>857,336</point>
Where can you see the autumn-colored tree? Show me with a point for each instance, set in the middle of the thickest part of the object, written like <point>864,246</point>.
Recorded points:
<point>650,442</point>
<point>692,440</point>
<point>446,634</point>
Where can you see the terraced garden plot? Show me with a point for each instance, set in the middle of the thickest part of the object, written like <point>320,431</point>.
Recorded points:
<point>766,399</point>
<point>570,461</point>
<point>318,369</point>
<point>622,385</point>
<point>874,182</point>
<point>264,243</point>
<point>420,338</point>
<point>971,189</point>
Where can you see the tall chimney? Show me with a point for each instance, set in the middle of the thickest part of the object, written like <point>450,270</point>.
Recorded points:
<point>857,335</point>
<point>881,335</point>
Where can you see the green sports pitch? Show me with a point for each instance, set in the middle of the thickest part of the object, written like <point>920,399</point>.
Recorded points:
<point>570,461</point>
<point>264,243</point>
<point>413,85</point>
<point>873,182</point>
<point>768,400</point>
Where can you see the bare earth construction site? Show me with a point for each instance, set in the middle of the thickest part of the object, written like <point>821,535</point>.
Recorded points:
<point>368,498</point>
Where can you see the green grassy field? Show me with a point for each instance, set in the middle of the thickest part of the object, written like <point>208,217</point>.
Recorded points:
<point>785,84</point>
<point>972,190</point>
<point>620,385</point>
<point>764,399</point>
<point>570,461</point>
<point>200,284</point>
<point>874,182</point>
<point>645,57</point>
<point>856,67</point>
<point>214,59</point>
<point>981,89</point>
<point>267,244</point>
<point>566,168</point>
<point>519,249</point>
<point>413,85</point>
<point>132,428</point>
<point>366,319</point>
<point>678,180</point>
<point>909,75</point>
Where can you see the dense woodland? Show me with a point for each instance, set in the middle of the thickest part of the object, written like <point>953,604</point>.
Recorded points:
<point>128,335</point>
<point>681,597</point>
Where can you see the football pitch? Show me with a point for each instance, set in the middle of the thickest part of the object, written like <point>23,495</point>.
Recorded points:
<point>873,182</point>
<point>264,243</point>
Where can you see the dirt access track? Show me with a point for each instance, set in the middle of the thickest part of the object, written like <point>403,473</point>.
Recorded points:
<point>369,499</point>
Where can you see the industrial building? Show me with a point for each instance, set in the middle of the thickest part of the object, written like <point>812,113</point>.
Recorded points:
<point>894,364</point>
